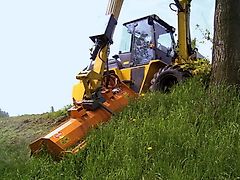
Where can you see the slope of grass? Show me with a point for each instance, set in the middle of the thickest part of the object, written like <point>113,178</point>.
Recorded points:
<point>16,134</point>
<point>191,133</point>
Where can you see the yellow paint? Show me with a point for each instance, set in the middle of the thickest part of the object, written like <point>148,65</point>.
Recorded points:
<point>149,70</point>
<point>99,63</point>
<point>118,73</point>
<point>91,80</point>
<point>183,30</point>
<point>78,91</point>
<point>126,73</point>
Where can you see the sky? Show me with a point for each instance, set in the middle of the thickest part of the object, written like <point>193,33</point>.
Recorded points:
<point>45,43</point>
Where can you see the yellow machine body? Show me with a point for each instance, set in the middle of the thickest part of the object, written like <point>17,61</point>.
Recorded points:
<point>145,72</point>
<point>101,92</point>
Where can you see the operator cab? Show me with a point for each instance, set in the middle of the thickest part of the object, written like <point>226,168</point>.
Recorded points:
<point>147,39</point>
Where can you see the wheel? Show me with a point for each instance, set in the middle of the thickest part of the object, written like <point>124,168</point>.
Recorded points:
<point>166,77</point>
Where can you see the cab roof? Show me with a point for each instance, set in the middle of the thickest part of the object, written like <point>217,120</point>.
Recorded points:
<point>154,17</point>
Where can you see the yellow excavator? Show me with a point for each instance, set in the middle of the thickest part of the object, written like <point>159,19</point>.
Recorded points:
<point>149,60</point>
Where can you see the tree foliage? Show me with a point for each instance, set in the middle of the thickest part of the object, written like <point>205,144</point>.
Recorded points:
<point>3,114</point>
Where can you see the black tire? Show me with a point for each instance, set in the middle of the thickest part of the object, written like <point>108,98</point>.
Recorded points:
<point>168,76</point>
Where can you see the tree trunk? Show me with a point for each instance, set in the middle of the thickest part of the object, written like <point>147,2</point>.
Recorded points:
<point>226,46</point>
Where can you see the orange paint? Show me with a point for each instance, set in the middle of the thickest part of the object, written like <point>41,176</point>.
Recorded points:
<point>69,136</point>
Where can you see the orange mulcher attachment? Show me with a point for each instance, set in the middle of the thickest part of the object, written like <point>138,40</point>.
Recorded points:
<point>84,115</point>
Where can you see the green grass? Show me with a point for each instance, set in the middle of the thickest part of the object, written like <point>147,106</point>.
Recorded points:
<point>191,133</point>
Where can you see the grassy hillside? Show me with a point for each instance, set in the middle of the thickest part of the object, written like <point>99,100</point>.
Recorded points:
<point>17,133</point>
<point>191,133</point>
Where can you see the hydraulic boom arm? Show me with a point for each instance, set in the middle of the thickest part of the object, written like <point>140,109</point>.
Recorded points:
<point>184,38</point>
<point>92,78</point>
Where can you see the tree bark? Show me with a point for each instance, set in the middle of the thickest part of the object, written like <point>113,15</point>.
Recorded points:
<point>226,44</point>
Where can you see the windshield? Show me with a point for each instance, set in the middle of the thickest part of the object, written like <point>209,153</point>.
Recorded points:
<point>164,39</point>
<point>146,39</point>
<point>142,37</point>
<point>125,45</point>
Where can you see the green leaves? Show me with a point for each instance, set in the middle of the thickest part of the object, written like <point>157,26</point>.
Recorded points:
<point>198,66</point>
<point>3,114</point>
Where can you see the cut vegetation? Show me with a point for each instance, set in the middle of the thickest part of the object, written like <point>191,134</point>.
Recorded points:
<point>190,133</point>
